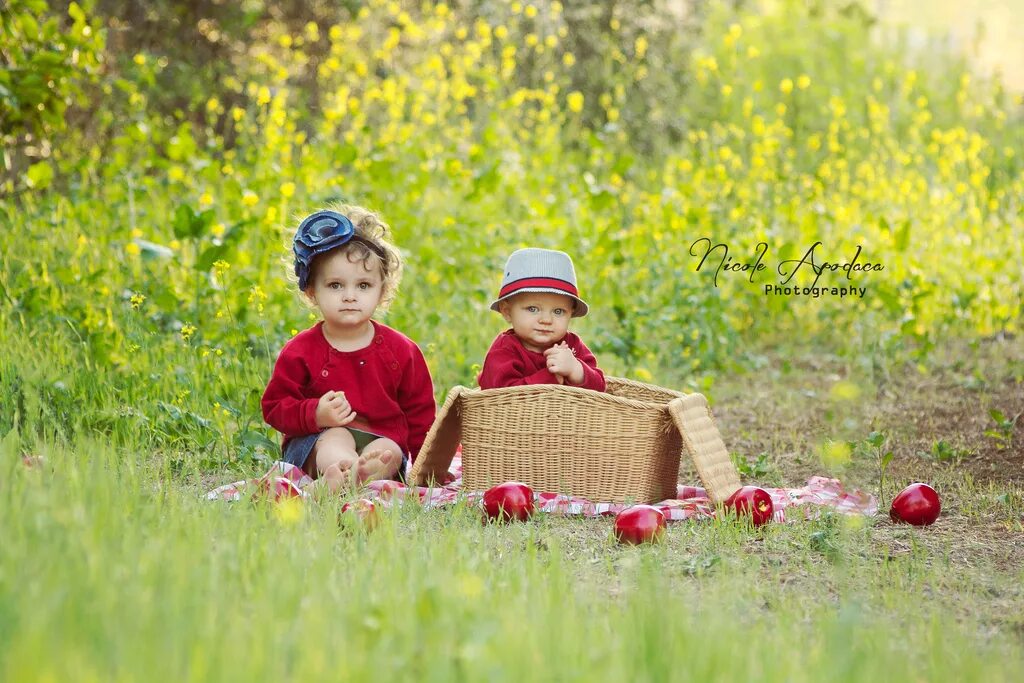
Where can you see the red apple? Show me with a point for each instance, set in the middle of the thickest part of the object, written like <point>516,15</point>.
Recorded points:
<point>362,510</point>
<point>509,501</point>
<point>33,461</point>
<point>279,488</point>
<point>639,524</point>
<point>918,504</point>
<point>752,502</point>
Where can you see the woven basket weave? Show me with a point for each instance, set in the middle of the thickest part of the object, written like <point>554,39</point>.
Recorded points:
<point>623,445</point>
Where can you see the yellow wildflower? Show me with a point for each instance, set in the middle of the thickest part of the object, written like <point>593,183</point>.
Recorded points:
<point>844,391</point>
<point>289,510</point>
<point>640,46</point>
<point>835,453</point>
<point>470,586</point>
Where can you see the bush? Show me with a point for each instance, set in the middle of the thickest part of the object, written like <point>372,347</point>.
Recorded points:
<point>46,64</point>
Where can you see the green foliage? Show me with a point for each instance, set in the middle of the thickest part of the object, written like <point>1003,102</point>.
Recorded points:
<point>943,451</point>
<point>47,61</point>
<point>1005,427</point>
<point>150,255</point>
<point>754,470</point>
<point>876,442</point>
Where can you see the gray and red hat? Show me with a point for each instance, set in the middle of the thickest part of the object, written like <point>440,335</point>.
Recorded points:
<point>540,270</point>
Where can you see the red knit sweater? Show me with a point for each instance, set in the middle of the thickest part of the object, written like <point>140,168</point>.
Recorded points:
<point>509,364</point>
<point>387,383</point>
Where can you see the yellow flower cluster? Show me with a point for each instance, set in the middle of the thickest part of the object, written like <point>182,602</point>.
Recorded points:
<point>457,129</point>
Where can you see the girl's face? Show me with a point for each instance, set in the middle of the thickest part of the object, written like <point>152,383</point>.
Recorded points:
<point>539,319</point>
<point>346,292</point>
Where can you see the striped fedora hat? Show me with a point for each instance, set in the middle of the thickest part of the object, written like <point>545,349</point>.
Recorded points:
<point>540,270</point>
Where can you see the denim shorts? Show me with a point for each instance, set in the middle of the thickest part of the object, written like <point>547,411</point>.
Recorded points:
<point>298,449</point>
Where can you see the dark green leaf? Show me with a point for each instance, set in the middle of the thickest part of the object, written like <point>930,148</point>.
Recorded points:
<point>259,440</point>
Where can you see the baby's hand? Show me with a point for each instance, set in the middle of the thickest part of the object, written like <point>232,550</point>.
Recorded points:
<point>562,362</point>
<point>333,410</point>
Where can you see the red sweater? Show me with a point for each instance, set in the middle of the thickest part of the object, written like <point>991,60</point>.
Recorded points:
<point>510,364</point>
<point>387,383</point>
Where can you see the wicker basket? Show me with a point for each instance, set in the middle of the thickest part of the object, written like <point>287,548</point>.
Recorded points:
<point>623,445</point>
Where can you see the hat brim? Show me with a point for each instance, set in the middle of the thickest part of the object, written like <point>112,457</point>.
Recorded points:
<point>580,310</point>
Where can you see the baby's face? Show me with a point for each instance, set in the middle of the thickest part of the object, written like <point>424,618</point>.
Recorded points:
<point>539,319</point>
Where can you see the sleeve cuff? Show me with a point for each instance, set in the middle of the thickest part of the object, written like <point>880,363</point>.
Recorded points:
<point>592,379</point>
<point>309,415</point>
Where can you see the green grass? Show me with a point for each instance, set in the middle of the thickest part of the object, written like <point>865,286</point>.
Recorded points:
<point>114,570</point>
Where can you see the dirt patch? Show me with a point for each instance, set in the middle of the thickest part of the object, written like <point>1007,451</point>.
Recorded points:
<point>935,419</point>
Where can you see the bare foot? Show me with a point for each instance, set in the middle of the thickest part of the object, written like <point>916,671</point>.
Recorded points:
<point>374,465</point>
<point>338,476</point>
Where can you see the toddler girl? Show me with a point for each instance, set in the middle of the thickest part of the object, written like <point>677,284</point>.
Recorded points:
<point>352,397</point>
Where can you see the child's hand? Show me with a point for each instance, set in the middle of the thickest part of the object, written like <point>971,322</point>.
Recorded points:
<point>563,363</point>
<point>333,410</point>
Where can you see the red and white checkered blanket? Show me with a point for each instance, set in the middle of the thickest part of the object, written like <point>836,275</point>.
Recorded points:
<point>691,502</point>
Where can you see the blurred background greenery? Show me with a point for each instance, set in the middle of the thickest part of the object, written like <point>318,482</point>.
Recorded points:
<point>157,154</point>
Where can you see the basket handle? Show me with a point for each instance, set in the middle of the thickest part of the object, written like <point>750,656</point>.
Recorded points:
<point>443,438</point>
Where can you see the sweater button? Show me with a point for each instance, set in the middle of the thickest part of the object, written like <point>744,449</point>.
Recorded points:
<point>394,366</point>
<point>378,340</point>
<point>324,373</point>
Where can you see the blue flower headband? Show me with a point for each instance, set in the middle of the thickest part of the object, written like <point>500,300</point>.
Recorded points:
<point>320,232</point>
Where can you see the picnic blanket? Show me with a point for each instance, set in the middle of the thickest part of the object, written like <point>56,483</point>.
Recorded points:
<point>691,502</point>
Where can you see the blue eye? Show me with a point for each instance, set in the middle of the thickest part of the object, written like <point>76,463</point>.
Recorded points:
<point>559,311</point>
<point>364,285</point>
<point>532,309</point>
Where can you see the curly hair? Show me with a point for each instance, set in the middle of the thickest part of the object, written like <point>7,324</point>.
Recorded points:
<point>369,246</point>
